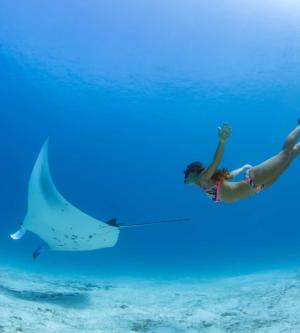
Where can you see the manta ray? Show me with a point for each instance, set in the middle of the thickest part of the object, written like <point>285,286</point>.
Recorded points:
<point>58,223</point>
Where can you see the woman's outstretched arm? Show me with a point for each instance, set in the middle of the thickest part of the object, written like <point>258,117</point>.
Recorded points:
<point>224,134</point>
<point>236,172</point>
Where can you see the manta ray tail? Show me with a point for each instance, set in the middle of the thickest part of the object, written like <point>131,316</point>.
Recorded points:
<point>19,234</point>
<point>153,222</point>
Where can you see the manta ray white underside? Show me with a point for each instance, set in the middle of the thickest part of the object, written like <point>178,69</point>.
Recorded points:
<point>61,225</point>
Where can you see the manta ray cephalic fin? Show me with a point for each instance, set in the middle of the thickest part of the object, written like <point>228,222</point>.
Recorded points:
<point>19,234</point>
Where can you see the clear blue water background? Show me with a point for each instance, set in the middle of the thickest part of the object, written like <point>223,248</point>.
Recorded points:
<point>129,93</point>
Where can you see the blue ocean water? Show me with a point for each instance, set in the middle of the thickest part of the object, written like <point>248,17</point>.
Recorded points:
<point>129,93</point>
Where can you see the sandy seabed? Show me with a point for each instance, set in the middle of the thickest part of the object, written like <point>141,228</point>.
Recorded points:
<point>256,303</point>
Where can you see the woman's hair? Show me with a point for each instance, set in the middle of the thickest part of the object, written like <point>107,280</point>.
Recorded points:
<point>219,175</point>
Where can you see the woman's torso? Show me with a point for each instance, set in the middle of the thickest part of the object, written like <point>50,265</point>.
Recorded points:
<point>233,191</point>
<point>228,191</point>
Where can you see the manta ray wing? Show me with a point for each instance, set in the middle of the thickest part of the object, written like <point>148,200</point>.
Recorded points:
<point>61,225</point>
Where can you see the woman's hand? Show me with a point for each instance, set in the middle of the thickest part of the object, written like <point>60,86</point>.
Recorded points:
<point>247,166</point>
<point>224,132</point>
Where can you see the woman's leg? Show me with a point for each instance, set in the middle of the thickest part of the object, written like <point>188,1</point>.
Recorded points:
<point>268,171</point>
<point>291,139</point>
<point>295,153</point>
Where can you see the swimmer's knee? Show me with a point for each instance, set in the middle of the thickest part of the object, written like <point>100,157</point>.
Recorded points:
<point>296,150</point>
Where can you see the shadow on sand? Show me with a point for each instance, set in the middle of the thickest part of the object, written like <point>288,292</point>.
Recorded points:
<point>68,300</point>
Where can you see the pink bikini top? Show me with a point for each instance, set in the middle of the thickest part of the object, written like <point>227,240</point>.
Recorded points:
<point>214,192</point>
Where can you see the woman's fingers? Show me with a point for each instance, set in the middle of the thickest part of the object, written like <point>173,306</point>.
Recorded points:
<point>226,127</point>
<point>224,131</point>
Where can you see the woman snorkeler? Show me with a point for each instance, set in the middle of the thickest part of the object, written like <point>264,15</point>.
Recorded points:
<point>217,182</point>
